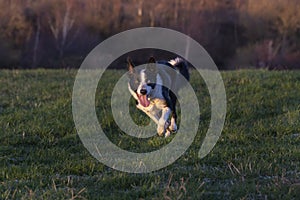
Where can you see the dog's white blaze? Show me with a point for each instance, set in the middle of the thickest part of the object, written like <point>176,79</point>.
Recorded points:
<point>157,92</point>
<point>143,76</point>
<point>143,84</point>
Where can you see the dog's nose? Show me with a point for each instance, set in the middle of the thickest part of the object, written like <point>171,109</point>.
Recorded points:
<point>143,91</point>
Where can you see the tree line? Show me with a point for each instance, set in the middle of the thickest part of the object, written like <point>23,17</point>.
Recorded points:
<point>236,33</point>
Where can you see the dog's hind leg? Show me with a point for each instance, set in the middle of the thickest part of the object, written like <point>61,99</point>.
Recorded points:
<point>173,126</point>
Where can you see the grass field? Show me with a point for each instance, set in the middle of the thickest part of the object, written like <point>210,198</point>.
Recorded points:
<point>257,156</point>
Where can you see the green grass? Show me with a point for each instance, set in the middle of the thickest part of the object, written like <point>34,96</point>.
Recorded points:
<point>257,156</point>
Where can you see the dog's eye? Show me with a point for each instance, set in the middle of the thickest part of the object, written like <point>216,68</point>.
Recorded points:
<point>152,85</point>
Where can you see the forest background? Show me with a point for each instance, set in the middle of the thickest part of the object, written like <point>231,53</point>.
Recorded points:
<point>236,33</point>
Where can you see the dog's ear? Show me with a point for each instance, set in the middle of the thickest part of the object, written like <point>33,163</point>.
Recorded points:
<point>151,66</point>
<point>130,65</point>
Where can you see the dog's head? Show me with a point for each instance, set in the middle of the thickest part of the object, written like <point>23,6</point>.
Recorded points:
<point>142,81</point>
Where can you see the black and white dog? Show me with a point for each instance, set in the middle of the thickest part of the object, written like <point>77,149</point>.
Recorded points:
<point>147,86</point>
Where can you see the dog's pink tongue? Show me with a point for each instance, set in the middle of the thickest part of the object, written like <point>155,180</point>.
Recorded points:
<point>144,101</point>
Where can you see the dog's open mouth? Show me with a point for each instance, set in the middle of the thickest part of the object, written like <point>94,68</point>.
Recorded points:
<point>143,100</point>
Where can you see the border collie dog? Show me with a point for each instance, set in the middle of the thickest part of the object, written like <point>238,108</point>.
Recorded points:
<point>147,86</point>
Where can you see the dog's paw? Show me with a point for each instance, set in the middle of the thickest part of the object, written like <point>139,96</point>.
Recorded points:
<point>173,127</point>
<point>162,127</point>
<point>160,130</point>
<point>167,134</point>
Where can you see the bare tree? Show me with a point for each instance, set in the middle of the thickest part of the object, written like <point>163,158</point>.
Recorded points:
<point>287,21</point>
<point>276,21</point>
<point>61,20</point>
<point>13,25</point>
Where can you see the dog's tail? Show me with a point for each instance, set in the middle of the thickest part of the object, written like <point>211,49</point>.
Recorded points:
<point>182,66</point>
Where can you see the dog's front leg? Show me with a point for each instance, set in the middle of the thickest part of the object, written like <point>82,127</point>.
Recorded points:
<point>153,116</point>
<point>163,121</point>
<point>150,113</point>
